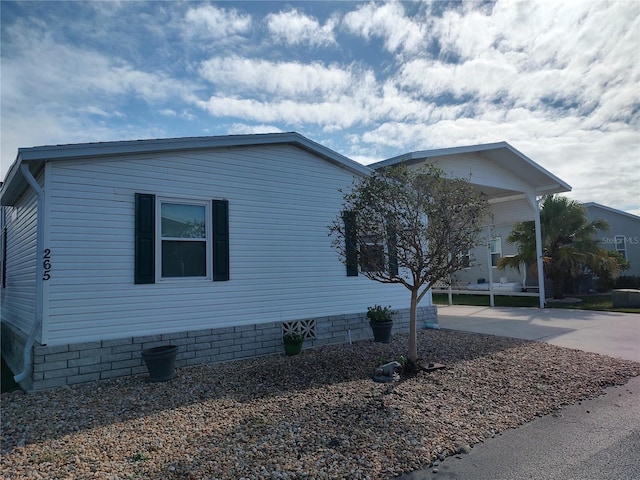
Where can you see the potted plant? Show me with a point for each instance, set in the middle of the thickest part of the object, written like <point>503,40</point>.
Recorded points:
<point>160,362</point>
<point>292,343</point>
<point>381,322</point>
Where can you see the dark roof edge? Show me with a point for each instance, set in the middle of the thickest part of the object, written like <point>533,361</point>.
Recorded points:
<point>129,147</point>
<point>46,153</point>
<point>610,209</point>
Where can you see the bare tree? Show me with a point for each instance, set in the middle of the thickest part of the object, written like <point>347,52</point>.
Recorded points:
<point>410,227</point>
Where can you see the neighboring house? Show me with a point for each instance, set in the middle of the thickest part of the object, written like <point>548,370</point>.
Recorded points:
<point>513,183</point>
<point>623,235</point>
<point>214,244</point>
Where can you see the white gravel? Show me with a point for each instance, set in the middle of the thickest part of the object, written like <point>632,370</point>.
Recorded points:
<point>313,416</point>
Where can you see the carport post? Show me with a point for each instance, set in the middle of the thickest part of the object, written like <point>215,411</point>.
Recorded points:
<point>492,302</point>
<point>536,218</point>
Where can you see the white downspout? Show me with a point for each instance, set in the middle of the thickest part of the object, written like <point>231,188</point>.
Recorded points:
<point>536,218</point>
<point>28,347</point>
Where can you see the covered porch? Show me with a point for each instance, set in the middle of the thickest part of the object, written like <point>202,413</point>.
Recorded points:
<point>513,184</point>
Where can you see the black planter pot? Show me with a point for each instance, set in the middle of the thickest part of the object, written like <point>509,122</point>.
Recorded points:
<point>161,362</point>
<point>381,331</point>
<point>293,347</point>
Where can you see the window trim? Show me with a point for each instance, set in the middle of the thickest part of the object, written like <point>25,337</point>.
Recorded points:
<point>206,203</point>
<point>497,241</point>
<point>469,255</point>
<point>622,251</point>
<point>376,251</point>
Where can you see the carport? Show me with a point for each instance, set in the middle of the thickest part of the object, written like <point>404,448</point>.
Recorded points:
<point>512,181</point>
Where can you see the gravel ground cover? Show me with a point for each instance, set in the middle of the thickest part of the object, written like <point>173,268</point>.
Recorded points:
<point>313,416</point>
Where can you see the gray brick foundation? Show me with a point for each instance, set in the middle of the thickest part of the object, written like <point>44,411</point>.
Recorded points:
<point>57,366</point>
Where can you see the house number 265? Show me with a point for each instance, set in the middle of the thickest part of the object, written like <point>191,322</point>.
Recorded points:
<point>46,264</point>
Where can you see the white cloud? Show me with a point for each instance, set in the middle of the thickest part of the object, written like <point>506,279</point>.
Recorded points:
<point>559,81</point>
<point>388,22</point>
<point>242,128</point>
<point>169,112</point>
<point>55,92</point>
<point>286,111</point>
<point>295,28</point>
<point>282,79</point>
<point>217,23</point>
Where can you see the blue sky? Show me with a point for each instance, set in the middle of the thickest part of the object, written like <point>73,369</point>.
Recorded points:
<point>560,81</point>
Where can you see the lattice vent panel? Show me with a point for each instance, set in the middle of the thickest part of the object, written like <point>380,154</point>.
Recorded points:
<point>305,327</point>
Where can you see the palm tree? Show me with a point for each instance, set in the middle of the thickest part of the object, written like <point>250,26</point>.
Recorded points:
<point>568,243</point>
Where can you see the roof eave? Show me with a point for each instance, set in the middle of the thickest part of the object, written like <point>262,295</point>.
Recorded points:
<point>14,184</point>
<point>556,185</point>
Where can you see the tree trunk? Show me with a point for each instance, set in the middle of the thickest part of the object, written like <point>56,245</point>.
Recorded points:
<point>413,330</point>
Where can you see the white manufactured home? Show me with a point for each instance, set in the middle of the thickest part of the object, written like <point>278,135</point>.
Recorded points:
<point>214,244</point>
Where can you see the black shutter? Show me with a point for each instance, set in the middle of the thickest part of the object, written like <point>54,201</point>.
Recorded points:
<point>220,209</point>
<point>145,243</point>
<point>351,250</point>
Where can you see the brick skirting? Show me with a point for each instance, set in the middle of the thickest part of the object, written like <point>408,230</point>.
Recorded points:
<point>60,365</point>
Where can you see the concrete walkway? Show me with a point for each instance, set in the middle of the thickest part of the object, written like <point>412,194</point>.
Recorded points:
<point>609,333</point>
<point>597,439</point>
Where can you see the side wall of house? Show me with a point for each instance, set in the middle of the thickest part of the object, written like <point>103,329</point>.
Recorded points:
<point>282,267</point>
<point>622,226</point>
<point>18,290</point>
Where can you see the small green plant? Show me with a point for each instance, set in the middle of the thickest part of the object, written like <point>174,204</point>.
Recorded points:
<point>293,337</point>
<point>140,457</point>
<point>378,313</point>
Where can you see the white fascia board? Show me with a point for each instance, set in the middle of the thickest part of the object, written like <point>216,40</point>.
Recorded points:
<point>14,184</point>
<point>552,188</point>
<point>410,157</point>
<point>555,185</point>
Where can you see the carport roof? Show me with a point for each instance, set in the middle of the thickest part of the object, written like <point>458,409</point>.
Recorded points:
<point>500,154</point>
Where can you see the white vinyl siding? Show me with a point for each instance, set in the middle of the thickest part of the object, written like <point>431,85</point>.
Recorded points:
<point>282,266</point>
<point>485,172</point>
<point>19,296</point>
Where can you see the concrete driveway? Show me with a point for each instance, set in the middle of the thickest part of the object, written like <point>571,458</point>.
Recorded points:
<point>596,439</point>
<point>609,333</point>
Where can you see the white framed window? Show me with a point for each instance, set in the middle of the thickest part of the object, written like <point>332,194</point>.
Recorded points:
<point>495,248</point>
<point>183,236</point>
<point>373,254</point>
<point>621,245</point>
<point>466,259</point>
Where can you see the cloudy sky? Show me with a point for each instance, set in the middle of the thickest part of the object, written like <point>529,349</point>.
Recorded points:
<point>560,81</point>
